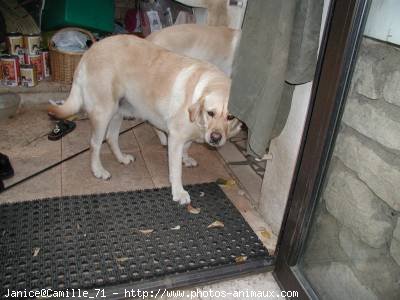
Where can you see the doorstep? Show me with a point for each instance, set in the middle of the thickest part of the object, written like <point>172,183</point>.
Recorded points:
<point>42,93</point>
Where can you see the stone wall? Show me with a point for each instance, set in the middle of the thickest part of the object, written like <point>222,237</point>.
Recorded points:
<point>362,190</point>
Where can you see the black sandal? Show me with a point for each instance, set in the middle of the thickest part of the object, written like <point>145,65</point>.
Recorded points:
<point>6,170</point>
<point>61,129</point>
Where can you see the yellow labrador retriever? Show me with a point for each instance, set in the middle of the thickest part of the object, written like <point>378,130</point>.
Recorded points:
<point>128,76</point>
<point>214,44</point>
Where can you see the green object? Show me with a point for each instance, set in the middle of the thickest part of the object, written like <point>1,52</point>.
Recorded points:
<point>96,15</point>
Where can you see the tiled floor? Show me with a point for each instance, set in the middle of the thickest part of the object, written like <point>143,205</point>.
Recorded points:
<point>263,284</point>
<point>24,140</point>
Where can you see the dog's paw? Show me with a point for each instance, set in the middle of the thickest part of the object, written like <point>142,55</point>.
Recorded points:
<point>126,159</point>
<point>189,162</point>
<point>164,140</point>
<point>102,173</point>
<point>182,197</point>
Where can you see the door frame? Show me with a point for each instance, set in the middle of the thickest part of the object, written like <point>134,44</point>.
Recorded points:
<point>339,48</point>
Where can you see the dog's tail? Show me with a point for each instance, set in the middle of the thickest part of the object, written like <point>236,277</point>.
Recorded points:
<point>71,106</point>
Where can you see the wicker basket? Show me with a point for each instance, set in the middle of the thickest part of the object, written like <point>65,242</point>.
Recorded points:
<point>64,63</point>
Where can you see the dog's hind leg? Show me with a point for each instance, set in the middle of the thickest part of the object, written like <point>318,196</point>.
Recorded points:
<point>112,140</point>
<point>162,136</point>
<point>188,161</point>
<point>100,123</point>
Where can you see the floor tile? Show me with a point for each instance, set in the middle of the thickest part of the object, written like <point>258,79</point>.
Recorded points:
<point>77,177</point>
<point>44,185</point>
<point>147,138</point>
<point>24,140</point>
<point>250,180</point>
<point>210,167</point>
<point>79,139</point>
<point>239,287</point>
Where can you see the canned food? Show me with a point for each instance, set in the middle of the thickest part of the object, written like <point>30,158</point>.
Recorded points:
<point>10,66</point>
<point>1,72</point>
<point>15,43</point>
<point>28,75</point>
<point>21,57</point>
<point>37,61</point>
<point>45,63</point>
<point>32,44</point>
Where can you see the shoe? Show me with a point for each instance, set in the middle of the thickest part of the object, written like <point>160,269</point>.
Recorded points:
<point>61,129</point>
<point>6,170</point>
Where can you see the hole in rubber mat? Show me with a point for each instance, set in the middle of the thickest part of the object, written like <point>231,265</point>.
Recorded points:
<point>91,241</point>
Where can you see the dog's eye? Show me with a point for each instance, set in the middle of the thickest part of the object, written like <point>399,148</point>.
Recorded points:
<point>211,113</point>
<point>230,117</point>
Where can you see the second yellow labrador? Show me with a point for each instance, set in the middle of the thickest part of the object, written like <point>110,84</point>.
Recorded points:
<point>128,76</point>
<point>215,44</point>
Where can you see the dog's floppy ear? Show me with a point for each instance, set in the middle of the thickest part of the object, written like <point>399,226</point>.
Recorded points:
<point>195,110</point>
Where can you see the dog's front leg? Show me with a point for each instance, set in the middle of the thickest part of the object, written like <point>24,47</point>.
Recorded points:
<point>175,152</point>
<point>188,161</point>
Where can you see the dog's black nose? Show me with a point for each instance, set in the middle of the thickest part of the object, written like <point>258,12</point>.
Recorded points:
<point>215,137</point>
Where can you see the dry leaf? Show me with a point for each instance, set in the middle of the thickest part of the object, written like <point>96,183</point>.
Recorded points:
<point>225,182</point>
<point>221,181</point>
<point>36,251</point>
<point>265,234</point>
<point>121,259</point>
<point>176,227</point>
<point>240,259</point>
<point>230,182</point>
<point>216,224</point>
<point>193,210</point>
<point>241,193</point>
<point>146,231</point>
<point>202,194</point>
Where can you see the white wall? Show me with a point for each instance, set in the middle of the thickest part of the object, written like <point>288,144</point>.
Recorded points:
<point>284,149</point>
<point>388,28</point>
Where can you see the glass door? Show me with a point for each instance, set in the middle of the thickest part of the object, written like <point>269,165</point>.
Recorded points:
<point>341,235</point>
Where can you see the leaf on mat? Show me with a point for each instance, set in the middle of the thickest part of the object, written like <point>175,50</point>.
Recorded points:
<point>122,259</point>
<point>216,224</point>
<point>146,231</point>
<point>265,234</point>
<point>202,194</point>
<point>36,251</point>
<point>78,226</point>
<point>176,227</point>
<point>221,181</point>
<point>225,182</point>
<point>240,259</point>
<point>193,210</point>
<point>241,193</point>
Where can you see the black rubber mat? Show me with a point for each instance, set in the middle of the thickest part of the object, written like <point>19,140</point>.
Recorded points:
<point>100,240</point>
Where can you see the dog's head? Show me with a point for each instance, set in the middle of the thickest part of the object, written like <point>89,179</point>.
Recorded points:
<point>210,112</point>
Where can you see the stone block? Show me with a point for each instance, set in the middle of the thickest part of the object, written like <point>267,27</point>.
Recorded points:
<point>337,281</point>
<point>365,82</point>
<point>378,168</point>
<point>391,89</point>
<point>353,204</point>
<point>395,244</point>
<point>323,241</point>
<point>374,119</point>
<point>358,251</point>
<point>374,267</point>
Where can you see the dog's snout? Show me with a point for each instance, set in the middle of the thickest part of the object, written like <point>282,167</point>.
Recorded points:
<point>215,137</point>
